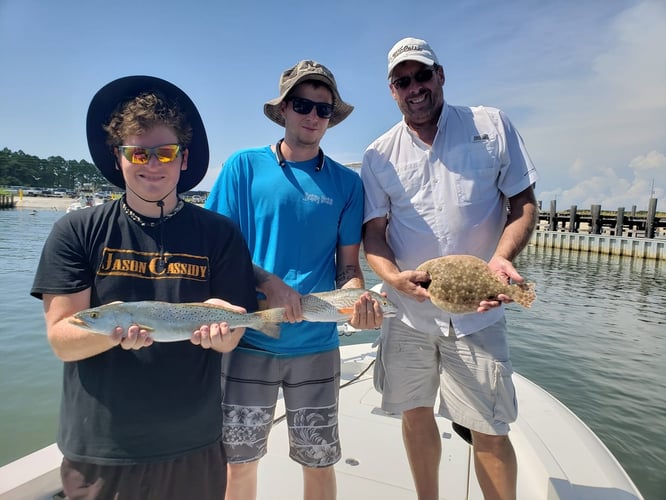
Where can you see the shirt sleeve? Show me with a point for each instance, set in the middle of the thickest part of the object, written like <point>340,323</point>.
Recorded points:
<point>63,267</point>
<point>223,197</point>
<point>519,171</point>
<point>352,215</point>
<point>377,203</point>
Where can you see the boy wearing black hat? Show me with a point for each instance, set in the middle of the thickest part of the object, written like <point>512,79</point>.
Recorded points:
<point>141,419</point>
<point>301,213</point>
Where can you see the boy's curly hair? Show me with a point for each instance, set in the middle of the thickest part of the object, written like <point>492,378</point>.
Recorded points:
<point>147,110</point>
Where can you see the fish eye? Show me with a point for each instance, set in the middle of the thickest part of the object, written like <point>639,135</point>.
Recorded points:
<point>93,315</point>
<point>425,284</point>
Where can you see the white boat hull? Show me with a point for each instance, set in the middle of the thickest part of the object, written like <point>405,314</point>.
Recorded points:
<point>559,457</point>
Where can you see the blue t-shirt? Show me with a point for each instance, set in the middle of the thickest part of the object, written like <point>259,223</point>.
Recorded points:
<point>293,219</point>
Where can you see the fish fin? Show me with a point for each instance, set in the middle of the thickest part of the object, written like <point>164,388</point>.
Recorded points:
<point>347,311</point>
<point>270,329</point>
<point>146,327</point>
<point>525,294</point>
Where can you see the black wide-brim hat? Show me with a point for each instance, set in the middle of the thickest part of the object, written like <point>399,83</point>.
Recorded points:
<point>106,102</point>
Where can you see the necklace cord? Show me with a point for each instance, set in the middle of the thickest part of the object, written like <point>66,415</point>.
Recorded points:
<point>162,261</point>
<point>283,163</point>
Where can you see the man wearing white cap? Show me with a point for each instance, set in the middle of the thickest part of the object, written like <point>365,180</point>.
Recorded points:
<point>455,180</point>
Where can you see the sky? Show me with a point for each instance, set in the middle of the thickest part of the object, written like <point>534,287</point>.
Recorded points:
<point>584,81</point>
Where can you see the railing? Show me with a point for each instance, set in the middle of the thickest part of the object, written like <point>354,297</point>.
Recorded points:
<point>7,201</point>
<point>618,223</point>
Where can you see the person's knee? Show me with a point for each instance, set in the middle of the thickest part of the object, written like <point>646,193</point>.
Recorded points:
<point>491,443</point>
<point>318,471</point>
<point>242,471</point>
<point>417,414</point>
<point>418,419</point>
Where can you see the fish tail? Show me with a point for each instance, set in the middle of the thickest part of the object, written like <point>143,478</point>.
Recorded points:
<point>525,294</point>
<point>270,329</point>
<point>268,321</point>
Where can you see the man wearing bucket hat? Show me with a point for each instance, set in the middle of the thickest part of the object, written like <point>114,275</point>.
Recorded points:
<point>142,419</point>
<point>447,175</point>
<point>301,214</point>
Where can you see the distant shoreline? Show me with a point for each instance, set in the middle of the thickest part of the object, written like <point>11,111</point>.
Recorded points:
<point>46,203</point>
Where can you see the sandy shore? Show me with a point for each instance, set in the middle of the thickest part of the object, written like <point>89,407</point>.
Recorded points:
<point>43,203</point>
<point>47,203</point>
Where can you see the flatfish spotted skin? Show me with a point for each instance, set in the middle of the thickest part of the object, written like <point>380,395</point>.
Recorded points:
<point>460,282</point>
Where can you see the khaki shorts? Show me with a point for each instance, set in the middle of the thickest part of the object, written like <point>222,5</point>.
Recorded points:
<point>472,374</point>
<point>310,386</point>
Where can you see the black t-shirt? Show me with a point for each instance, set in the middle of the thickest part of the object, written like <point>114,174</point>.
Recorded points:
<point>160,402</point>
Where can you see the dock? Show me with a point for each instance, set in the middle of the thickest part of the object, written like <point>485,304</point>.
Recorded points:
<point>625,246</point>
<point>632,234</point>
<point>7,201</point>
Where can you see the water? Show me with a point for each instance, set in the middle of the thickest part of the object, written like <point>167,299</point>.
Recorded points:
<point>595,338</point>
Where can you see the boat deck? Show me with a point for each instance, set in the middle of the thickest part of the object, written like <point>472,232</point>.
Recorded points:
<point>559,457</point>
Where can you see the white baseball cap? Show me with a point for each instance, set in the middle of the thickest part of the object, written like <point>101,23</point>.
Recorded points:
<point>410,49</point>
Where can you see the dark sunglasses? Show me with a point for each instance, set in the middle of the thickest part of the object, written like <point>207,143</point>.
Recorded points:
<point>304,107</point>
<point>138,155</point>
<point>425,75</point>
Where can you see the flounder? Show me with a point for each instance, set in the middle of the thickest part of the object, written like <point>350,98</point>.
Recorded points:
<point>458,283</point>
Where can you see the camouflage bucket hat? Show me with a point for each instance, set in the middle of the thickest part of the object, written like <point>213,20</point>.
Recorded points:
<point>302,71</point>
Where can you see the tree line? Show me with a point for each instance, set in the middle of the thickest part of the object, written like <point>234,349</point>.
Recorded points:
<point>20,169</point>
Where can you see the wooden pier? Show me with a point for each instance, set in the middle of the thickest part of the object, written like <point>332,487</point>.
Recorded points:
<point>7,201</point>
<point>615,233</point>
<point>594,221</point>
<point>640,248</point>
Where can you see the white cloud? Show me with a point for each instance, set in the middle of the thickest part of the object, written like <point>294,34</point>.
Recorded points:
<point>647,178</point>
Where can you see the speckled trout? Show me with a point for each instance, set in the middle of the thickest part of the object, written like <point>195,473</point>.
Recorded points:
<point>169,322</point>
<point>458,283</point>
<point>338,305</point>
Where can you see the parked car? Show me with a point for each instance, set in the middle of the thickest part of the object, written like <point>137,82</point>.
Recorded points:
<point>103,195</point>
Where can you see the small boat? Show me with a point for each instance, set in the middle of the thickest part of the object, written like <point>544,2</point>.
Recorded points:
<point>559,457</point>
<point>84,202</point>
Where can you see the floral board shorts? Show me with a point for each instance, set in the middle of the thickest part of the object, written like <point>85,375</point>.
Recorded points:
<point>251,380</point>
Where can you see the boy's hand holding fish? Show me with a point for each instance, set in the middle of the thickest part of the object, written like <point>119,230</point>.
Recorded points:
<point>219,336</point>
<point>135,338</point>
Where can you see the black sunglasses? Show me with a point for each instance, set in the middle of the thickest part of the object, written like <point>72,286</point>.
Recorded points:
<point>425,75</point>
<point>304,106</point>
